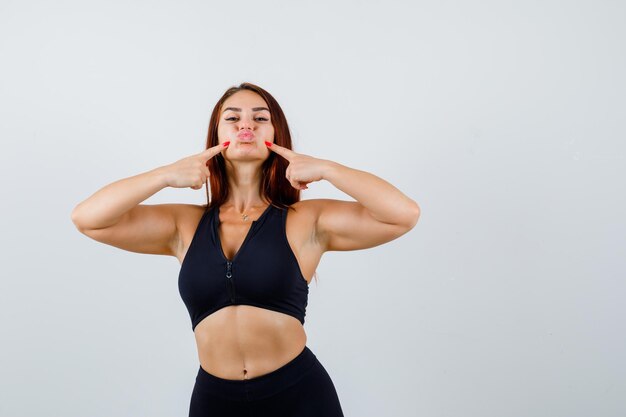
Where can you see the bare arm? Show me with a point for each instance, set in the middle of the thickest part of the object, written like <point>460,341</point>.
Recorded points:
<point>381,213</point>
<point>114,216</point>
<point>378,199</point>
<point>106,206</point>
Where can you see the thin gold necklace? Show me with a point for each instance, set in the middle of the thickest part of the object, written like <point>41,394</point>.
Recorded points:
<point>244,216</point>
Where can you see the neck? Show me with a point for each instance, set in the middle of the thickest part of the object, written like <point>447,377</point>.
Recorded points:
<point>244,182</point>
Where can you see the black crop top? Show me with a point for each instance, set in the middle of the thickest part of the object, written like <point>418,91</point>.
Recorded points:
<point>263,273</point>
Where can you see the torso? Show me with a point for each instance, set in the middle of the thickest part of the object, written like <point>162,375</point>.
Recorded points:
<point>241,341</point>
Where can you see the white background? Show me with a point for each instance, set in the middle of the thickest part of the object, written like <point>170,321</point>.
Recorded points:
<point>503,120</point>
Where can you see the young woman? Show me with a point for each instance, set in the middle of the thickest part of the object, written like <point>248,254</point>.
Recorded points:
<point>248,255</point>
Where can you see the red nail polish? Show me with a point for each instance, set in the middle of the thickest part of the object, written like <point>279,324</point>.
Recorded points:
<point>226,143</point>
<point>268,143</point>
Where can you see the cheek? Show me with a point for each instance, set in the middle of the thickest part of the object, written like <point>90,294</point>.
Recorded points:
<point>223,132</point>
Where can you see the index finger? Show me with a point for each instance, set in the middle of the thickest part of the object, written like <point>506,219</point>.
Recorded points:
<point>282,151</point>
<point>214,150</point>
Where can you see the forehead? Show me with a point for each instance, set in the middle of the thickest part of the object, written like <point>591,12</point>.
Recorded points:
<point>245,100</point>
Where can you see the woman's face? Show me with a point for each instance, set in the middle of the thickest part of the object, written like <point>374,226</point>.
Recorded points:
<point>245,121</point>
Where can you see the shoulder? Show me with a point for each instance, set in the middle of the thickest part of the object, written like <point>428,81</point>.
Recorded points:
<point>186,217</point>
<point>188,213</point>
<point>309,212</point>
<point>184,212</point>
<point>316,206</point>
<point>309,208</point>
<point>337,224</point>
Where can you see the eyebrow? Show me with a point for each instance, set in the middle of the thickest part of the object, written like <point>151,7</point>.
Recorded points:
<point>239,109</point>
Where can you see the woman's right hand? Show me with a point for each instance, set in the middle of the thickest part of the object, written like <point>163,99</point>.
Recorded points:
<point>192,171</point>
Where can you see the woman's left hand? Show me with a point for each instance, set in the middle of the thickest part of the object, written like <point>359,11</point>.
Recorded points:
<point>302,169</point>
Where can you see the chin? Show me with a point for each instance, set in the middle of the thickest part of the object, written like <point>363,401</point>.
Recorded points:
<point>249,155</point>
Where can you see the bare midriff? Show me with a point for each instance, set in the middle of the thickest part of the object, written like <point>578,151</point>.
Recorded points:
<point>243,342</point>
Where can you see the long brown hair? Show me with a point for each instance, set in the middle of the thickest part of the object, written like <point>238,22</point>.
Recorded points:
<point>274,185</point>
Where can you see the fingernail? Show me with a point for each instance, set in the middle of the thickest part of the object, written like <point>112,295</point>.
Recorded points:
<point>226,143</point>
<point>268,143</point>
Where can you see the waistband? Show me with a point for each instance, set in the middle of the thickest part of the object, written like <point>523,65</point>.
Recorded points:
<point>260,387</point>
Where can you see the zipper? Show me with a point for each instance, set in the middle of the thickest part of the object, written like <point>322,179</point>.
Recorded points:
<point>229,263</point>
<point>229,277</point>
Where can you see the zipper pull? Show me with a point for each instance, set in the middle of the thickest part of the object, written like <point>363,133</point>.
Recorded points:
<point>229,277</point>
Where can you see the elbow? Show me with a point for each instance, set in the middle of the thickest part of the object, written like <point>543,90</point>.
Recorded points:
<point>413,217</point>
<point>75,219</point>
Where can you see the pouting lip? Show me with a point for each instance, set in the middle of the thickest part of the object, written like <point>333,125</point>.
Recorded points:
<point>245,133</point>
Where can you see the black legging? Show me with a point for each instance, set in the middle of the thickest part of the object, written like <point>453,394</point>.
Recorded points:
<point>300,388</point>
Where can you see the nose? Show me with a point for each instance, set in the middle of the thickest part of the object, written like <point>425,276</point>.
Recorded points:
<point>245,124</point>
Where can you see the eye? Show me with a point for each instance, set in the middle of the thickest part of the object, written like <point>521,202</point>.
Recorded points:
<point>234,117</point>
